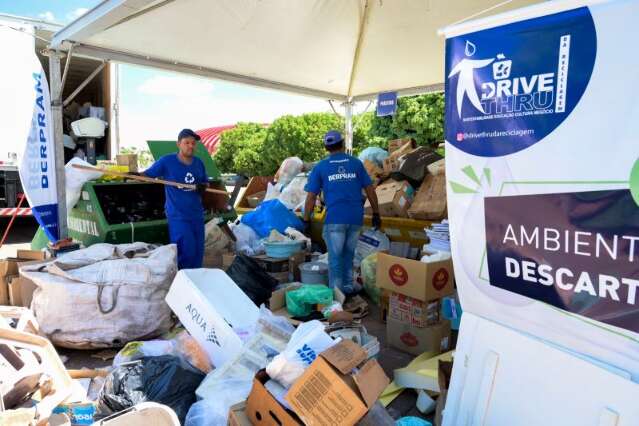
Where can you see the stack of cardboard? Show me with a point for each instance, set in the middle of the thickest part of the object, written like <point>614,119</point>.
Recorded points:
<point>413,322</point>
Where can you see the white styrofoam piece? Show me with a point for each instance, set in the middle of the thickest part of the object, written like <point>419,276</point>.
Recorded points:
<point>213,309</point>
<point>504,377</point>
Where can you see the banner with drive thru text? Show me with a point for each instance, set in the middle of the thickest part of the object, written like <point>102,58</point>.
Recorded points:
<point>542,164</point>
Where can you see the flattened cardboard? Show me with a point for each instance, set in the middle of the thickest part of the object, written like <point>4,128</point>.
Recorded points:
<point>416,279</point>
<point>263,409</point>
<point>430,200</point>
<point>345,356</point>
<point>396,144</point>
<point>371,382</point>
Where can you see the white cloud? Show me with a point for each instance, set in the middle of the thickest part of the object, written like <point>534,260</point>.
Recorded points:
<point>47,16</point>
<point>176,86</point>
<point>77,13</point>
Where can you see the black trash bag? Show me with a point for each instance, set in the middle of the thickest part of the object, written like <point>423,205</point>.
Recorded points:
<point>162,379</point>
<point>254,281</point>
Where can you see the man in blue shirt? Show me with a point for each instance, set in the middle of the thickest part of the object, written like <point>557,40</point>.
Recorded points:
<point>341,177</point>
<point>183,206</point>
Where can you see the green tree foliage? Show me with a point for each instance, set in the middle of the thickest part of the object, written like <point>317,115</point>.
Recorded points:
<point>145,159</point>
<point>252,149</point>
<point>418,117</point>
<point>235,141</point>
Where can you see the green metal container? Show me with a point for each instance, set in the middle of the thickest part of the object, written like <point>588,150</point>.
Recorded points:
<point>119,212</point>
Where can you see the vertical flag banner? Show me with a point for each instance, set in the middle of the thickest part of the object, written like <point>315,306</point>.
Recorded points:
<point>37,171</point>
<point>542,163</point>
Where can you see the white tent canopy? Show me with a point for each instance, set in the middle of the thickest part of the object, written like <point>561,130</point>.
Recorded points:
<point>335,49</point>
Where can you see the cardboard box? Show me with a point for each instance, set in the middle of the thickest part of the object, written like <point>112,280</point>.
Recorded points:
<point>238,415</point>
<point>227,260</point>
<point>9,270</point>
<point>414,165</point>
<point>390,165</point>
<point>210,305</point>
<point>374,172</point>
<point>437,168</point>
<point>414,312</point>
<point>430,200</point>
<point>433,339</point>
<point>21,291</point>
<point>256,185</point>
<point>416,279</point>
<point>393,198</point>
<point>330,393</point>
<point>128,160</point>
<point>396,144</point>
<point>403,200</point>
<point>263,409</point>
<point>401,150</point>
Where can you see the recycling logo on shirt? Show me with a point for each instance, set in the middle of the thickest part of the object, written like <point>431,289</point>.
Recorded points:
<point>341,169</point>
<point>189,178</point>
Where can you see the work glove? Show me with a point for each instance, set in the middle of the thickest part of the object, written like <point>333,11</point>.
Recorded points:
<point>377,221</point>
<point>201,188</point>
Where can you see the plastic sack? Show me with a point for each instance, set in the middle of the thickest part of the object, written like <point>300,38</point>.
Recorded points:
<point>299,302</point>
<point>270,215</point>
<point>74,180</point>
<point>369,242</point>
<point>289,168</point>
<point>215,411</point>
<point>293,195</point>
<point>215,239</point>
<point>163,379</point>
<point>272,192</point>
<point>104,295</point>
<point>246,240</point>
<point>306,343</point>
<point>369,278</point>
<point>436,256</point>
<point>374,154</point>
<point>254,281</point>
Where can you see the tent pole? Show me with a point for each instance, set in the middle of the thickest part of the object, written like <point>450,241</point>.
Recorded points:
<point>348,106</point>
<point>55,84</point>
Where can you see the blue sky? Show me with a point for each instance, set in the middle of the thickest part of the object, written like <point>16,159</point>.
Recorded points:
<point>156,104</point>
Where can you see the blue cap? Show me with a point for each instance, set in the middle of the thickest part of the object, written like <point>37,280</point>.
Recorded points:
<point>333,137</point>
<point>186,133</point>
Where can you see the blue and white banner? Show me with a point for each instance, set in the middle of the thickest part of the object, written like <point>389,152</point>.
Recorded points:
<point>37,169</point>
<point>542,163</point>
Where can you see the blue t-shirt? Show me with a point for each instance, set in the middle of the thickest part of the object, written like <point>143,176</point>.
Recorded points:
<point>180,203</point>
<point>341,177</point>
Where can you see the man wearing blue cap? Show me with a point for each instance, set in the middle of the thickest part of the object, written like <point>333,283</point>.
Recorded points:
<point>341,177</point>
<point>184,209</point>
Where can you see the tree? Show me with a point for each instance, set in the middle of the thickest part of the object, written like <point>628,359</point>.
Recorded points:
<point>419,117</point>
<point>234,141</point>
<point>300,136</point>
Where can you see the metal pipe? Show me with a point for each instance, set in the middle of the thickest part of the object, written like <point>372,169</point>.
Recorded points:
<point>83,84</point>
<point>348,106</point>
<point>66,68</point>
<point>56,118</point>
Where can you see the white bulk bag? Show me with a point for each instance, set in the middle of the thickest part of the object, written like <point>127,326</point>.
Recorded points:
<point>105,295</point>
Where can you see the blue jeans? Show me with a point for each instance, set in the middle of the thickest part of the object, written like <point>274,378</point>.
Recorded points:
<point>341,241</point>
<point>188,235</point>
